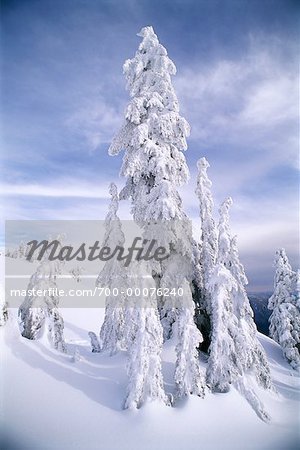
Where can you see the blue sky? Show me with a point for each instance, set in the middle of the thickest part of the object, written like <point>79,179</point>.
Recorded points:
<point>63,96</point>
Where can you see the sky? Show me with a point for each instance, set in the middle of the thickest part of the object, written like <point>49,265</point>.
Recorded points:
<point>63,98</point>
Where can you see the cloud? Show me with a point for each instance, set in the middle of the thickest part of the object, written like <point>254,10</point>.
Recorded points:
<point>96,119</point>
<point>249,103</point>
<point>62,188</point>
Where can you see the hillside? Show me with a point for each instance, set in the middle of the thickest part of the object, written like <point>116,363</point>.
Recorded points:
<point>55,401</point>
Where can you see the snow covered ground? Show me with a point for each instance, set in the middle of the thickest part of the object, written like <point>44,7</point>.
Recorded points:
<point>55,401</point>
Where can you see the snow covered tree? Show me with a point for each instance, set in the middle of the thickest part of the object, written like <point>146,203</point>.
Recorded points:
<point>223,362</point>
<point>3,307</point>
<point>188,376</point>
<point>36,308</point>
<point>208,249</point>
<point>144,365</point>
<point>94,342</point>
<point>153,137</point>
<point>252,355</point>
<point>234,348</point>
<point>113,275</point>
<point>285,306</point>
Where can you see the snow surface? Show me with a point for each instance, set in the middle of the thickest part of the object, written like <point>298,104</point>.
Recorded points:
<point>51,400</point>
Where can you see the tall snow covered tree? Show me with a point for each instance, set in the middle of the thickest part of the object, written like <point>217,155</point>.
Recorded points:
<point>153,137</point>
<point>113,276</point>
<point>208,251</point>
<point>144,353</point>
<point>235,349</point>
<point>208,248</point>
<point>35,308</point>
<point>285,306</point>
<point>252,354</point>
<point>223,363</point>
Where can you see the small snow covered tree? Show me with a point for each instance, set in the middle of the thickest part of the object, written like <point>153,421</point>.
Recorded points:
<point>144,365</point>
<point>3,307</point>
<point>36,308</point>
<point>285,306</point>
<point>113,275</point>
<point>188,376</point>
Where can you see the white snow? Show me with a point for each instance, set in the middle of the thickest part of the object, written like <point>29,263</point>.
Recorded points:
<point>50,400</point>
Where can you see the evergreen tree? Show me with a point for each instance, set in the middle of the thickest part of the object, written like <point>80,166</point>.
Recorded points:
<point>188,376</point>
<point>3,307</point>
<point>113,276</point>
<point>223,366</point>
<point>252,353</point>
<point>35,309</point>
<point>208,247</point>
<point>153,137</point>
<point>285,306</point>
<point>235,348</point>
<point>223,363</point>
<point>208,250</point>
<point>144,352</point>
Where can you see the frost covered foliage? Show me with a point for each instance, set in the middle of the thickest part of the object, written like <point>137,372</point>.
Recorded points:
<point>285,306</point>
<point>144,353</point>
<point>153,135</point>
<point>223,362</point>
<point>188,376</point>
<point>252,354</point>
<point>234,348</point>
<point>94,342</point>
<point>208,245</point>
<point>207,251</point>
<point>154,138</point>
<point>113,276</point>
<point>3,307</point>
<point>35,309</point>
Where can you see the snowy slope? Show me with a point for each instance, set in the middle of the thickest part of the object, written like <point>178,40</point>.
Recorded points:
<point>50,401</point>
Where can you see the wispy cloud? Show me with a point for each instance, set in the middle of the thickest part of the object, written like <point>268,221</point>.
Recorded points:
<point>62,188</point>
<point>96,119</point>
<point>250,103</point>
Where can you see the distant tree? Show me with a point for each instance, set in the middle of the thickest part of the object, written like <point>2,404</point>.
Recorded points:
<point>3,307</point>
<point>113,276</point>
<point>36,308</point>
<point>285,306</point>
<point>76,273</point>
